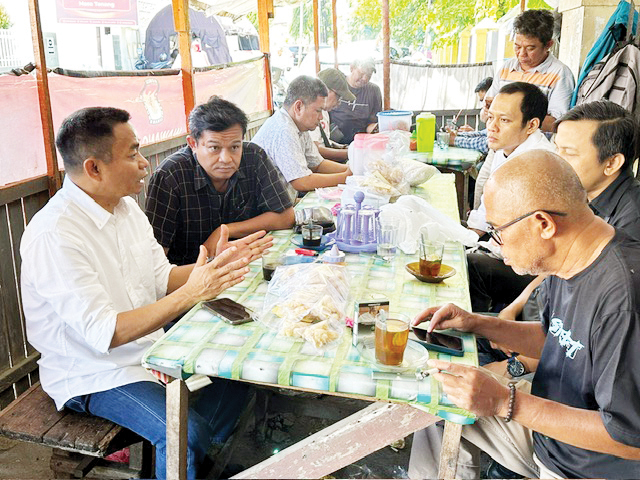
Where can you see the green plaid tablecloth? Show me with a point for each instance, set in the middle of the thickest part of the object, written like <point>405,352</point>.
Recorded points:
<point>201,343</point>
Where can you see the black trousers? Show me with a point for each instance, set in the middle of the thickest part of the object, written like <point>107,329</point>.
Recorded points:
<point>492,283</point>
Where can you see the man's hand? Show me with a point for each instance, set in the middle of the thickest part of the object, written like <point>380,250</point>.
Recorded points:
<point>484,112</point>
<point>466,128</point>
<point>251,246</point>
<point>446,316</point>
<point>208,280</point>
<point>472,389</point>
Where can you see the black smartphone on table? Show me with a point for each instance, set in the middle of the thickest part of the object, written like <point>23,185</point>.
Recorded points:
<point>439,342</point>
<point>230,311</point>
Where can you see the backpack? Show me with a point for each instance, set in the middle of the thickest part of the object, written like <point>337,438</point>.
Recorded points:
<point>616,78</point>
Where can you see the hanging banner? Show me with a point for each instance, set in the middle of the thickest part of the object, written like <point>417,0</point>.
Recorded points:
<point>98,12</point>
<point>243,84</point>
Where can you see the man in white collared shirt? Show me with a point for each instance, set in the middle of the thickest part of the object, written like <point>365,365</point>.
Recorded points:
<point>535,64</point>
<point>286,139</point>
<point>97,289</point>
<point>513,127</point>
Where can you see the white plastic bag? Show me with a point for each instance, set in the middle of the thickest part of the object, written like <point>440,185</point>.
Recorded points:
<point>416,173</point>
<point>308,301</point>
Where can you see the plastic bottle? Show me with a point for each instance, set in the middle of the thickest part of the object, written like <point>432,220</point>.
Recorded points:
<point>426,128</point>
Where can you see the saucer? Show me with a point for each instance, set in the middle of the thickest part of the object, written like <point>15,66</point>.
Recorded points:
<point>445,272</point>
<point>325,242</point>
<point>415,356</point>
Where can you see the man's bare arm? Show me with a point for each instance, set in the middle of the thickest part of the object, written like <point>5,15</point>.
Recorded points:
<point>335,154</point>
<point>318,180</point>
<point>329,166</point>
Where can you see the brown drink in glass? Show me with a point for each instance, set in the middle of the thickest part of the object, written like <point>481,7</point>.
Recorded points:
<point>391,340</point>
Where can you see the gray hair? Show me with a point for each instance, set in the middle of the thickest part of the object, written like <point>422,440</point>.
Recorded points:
<point>366,64</point>
<point>305,88</point>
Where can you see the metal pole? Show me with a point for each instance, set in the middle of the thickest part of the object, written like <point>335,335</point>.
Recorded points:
<point>386,70</point>
<point>316,40</point>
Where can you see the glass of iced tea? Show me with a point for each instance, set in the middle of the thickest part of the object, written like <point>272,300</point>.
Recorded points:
<point>391,338</point>
<point>270,262</point>
<point>430,257</point>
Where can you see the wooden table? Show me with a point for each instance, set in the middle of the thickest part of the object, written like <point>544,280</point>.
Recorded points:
<point>201,344</point>
<point>459,161</point>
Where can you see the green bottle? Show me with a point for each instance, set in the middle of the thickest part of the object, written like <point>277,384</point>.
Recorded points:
<point>426,128</point>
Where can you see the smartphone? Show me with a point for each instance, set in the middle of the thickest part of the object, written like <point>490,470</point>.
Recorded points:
<point>229,311</point>
<point>440,342</point>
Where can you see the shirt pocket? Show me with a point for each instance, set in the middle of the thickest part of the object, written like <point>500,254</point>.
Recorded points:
<point>142,265</point>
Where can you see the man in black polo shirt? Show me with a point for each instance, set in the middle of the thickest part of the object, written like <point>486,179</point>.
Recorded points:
<point>599,140</point>
<point>217,185</point>
<point>582,417</point>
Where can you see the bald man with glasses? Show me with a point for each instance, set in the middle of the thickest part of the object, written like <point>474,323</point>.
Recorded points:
<point>579,417</point>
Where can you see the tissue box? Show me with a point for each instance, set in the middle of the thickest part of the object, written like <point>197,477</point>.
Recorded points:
<point>364,318</point>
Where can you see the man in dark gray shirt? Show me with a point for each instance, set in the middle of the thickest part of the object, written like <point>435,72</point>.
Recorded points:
<point>361,114</point>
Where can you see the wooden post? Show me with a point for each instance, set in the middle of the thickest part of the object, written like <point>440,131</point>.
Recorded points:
<point>334,11</point>
<point>183,27</point>
<point>523,5</point>
<point>177,412</point>
<point>316,34</point>
<point>386,70</point>
<point>44,100</point>
<point>263,32</point>
<point>450,450</point>
<point>263,25</point>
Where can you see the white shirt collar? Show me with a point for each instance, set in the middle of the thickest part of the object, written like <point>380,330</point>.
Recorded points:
<point>94,211</point>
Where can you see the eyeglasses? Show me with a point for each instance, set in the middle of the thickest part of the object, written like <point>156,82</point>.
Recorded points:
<point>494,232</point>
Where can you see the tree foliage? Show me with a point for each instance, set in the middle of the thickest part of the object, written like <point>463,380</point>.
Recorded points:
<point>5,21</point>
<point>324,19</point>
<point>444,20</point>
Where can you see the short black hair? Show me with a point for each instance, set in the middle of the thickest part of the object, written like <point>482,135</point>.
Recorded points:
<point>484,85</point>
<point>617,130</point>
<point>534,102</point>
<point>535,23</point>
<point>305,88</point>
<point>217,115</point>
<point>88,133</point>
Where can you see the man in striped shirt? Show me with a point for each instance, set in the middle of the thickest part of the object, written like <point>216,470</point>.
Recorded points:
<point>535,64</point>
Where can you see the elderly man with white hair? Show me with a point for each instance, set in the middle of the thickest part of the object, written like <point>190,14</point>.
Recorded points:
<point>359,115</point>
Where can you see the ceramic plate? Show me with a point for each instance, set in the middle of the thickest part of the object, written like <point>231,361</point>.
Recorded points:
<point>325,242</point>
<point>415,356</point>
<point>445,272</point>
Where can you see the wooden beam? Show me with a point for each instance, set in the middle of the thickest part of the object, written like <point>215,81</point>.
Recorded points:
<point>450,449</point>
<point>386,70</point>
<point>183,27</point>
<point>343,443</point>
<point>263,25</point>
<point>267,79</point>
<point>270,10</point>
<point>316,34</point>
<point>177,412</point>
<point>334,12</point>
<point>523,5</point>
<point>44,100</point>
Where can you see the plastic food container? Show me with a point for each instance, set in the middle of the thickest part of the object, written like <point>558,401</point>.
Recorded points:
<point>394,120</point>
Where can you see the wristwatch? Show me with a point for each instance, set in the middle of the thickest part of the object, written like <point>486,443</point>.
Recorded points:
<point>515,367</point>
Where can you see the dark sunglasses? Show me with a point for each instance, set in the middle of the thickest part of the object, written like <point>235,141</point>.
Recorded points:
<point>494,232</point>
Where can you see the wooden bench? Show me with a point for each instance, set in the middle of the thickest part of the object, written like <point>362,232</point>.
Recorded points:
<point>79,441</point>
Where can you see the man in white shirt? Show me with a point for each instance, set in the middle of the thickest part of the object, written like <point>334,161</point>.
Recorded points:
<point>513,126</point>
<point>285,137</point>
<point>535,64</point>
<point>338,88</point>
<point>97,289</point>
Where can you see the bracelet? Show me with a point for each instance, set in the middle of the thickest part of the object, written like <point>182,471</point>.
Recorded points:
<point>512,402</point>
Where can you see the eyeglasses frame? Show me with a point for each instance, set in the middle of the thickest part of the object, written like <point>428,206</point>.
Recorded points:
<point>494,232</point>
